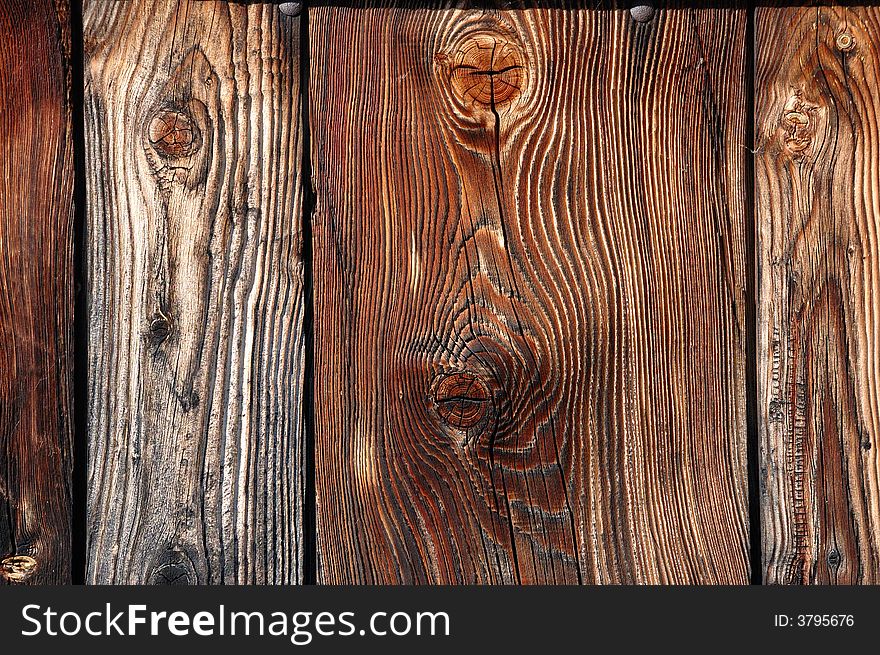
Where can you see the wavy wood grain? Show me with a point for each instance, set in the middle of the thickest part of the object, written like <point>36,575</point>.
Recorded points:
<point>530,295</point>
<point>36,292</point>
<point>194,143</point>
<point>818,209</point>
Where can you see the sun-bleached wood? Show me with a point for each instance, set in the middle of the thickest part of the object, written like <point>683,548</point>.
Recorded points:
<point>194,142</point>
<point>36,292</point>
<point>818,215</point>
<point>530,295</point>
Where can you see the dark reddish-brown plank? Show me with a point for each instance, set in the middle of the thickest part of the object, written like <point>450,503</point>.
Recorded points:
<point>818,211</point>
<point>530,295</point>
<point>36,292</point>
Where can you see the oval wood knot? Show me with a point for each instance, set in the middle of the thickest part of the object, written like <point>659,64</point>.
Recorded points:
<point>160,329</point>
<point>173,567</point>
<point>18,568</point>
<point>486,69</point>
<point>461,399</point>
<point>174,134</point>
<point>290,8</point>
<point>798,125</point>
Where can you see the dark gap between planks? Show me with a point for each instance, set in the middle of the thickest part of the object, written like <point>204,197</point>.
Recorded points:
<point>80,374</point>
<point>310,533</point>
<point>753,450</point>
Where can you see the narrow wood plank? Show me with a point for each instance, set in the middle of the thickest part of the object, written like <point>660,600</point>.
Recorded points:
<point>530,295</point>
<point>818,209</point>
<point>194,146</point>
<point>36,292</point>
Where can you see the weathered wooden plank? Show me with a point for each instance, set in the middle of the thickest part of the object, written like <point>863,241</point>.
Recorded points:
<point>36,292</point>
<point>530,295</point>
<point>194,144</point>
<point>818,213</point>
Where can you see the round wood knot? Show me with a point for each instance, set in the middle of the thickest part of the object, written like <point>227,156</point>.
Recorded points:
<point>160,328</point>
<point>18,568</point>
<point>174,134</point>
<point>486,69</point>
<point>174,567</point>
<point>845,42</point>
<point>461,399</point>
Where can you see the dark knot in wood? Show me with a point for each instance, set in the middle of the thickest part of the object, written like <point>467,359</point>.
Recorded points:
<point>160,329</point>
<point>174,134</point>
<point>834,558</point>
<point>17,568</point>
<point>486,69</point>
<point>461,399</point>
<point>174,567</point>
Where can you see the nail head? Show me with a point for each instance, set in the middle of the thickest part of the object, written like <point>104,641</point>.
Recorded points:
<point>290,8</point>
<point>642,13</point>
<point>845,42</point>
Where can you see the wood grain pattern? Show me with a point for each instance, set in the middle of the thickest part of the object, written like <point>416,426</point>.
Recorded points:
<point>530,295</point>
<point>194,145</point>
<point>36,292</point>
<point>818,210</point>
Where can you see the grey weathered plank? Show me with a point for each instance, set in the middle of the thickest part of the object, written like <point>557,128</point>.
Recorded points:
<point>194,143</point>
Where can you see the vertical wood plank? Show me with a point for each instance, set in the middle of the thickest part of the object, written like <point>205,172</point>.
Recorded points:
<point>36,292</point>
<point>194,147</point>
<point>530,295</point>
<point>818,211</point>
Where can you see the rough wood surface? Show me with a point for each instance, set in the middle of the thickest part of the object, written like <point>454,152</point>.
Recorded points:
<point>36,292</point>
<point>530,295</point>
<point>193,146</point>
<point>818,212</point>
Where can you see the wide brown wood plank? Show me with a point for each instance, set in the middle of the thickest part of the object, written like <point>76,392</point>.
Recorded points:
<point>194,143</point>
<point>36,292</point>
<point>818,208</point>
<point>530,295</point>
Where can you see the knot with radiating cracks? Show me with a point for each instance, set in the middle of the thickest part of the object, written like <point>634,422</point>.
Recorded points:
<point>486,69</point>
<point>462,400</point>
<point>174,134</point>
